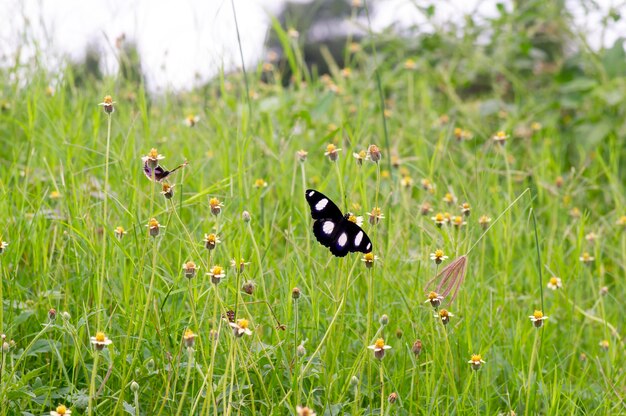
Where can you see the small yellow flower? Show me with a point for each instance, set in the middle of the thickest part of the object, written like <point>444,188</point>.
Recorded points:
<point>260,183</point>
<point>55,195</point>
<point>604,344</point>
<point>210,241</point>
<point>189,338</point>
<point>438,256</point>
<point>358,220</point>
<point>554,283</point>
<point>586,258</point>
<point>369,259</point>
<point>119,232</point>
<point>449,198</point>
<point>373,153</point>
<point>558,182</point>
<point>575,212</point>
<point>500,137</point>
<point>537,318</point>
<point>461,134</point>
<point>427,185</point>
<point>458,221</point>
<point>293,33</point>
<point>536,126</point>
<point>484,221</point>
<point>100,340</point>
<point>154,227</point>
<point>346,72</point>
<point>439,219</point>
<point>443,120</point>
<point>621,220</point>
<point>217,273</point>
<point>216,206</point>
<point>425,208</point>
<point>304,411</point>
<point>410,64</point>
<point>153,158</point>
<point>167,190</point>
<point>240,327</point>
<point>375,216</point>
<point>379,348</point>
<point>191,120</point>
<point>190,269</point>
<point>3,245</point>
<point>302,155</point>
<point>360,157</point>
<point>465,209</point>
<point>332,152</point>
<point>354,47</point>
<point>434,299</point>
<point>591,237</point>
<point>444,315</point>
<point>107,104</point>
<point>406,181</point>
<point>476,361</point>
<point>61,410</point>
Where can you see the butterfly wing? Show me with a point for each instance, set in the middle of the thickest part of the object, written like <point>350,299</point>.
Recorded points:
<point>349,237</point>
<point>322,207</point>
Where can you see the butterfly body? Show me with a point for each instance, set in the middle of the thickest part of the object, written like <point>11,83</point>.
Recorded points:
<point>159,173</point>
<point>333,229</point>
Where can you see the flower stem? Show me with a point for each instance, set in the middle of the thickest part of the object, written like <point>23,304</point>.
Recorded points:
<point>533,359</point>
<point>190,364</point>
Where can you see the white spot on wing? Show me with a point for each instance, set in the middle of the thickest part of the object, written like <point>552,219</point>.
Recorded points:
<point>311,193</point>
<point>321,204</point>
<point>328,227</point>
<point>358,238</point>
<point>368,246</point>
<point>342,240</point>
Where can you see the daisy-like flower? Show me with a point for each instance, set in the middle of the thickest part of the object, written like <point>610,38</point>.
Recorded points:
<point>375,216</point>
<point>369,259</point>
<point>260,183</point>
<point>500,137</point>
<point>417,347</point>
<point>211,241</point>
<point>358,220</point>
<point>535,126</point>
<point>604,344</point>
<point>410,64</point>
<point>555,283</point>
<point>153,158</point>
<point>217,273</point>
<point>438,256</point>
<point>443,120</point>
<point>621,221</point>
<point>591,237</point>
<point>393,397</point>
<point>434,299</point>
<point>190,269</point>
<point>154,228</point>
<point>476,361</point>
<point>189,338</point>
<point>332,152</point>
<point>304,411</point>
<point>216,206</point>
<point>3,245</point>
<point>427,185</point>
<point>462,134</point>
<point>439,219</point>
<point>458,221</point>
<point>465,209</point>
<point>444,315</point>
<point>449,198</point>
<point>167,190</point>
<point>426,208</point>
<point>575,212</point>
<point>293,33</point>
<point>107,104</point>
<point>558,182</point>
<point>55,195</point>
<point>586,258</point>
<point>191,120</point>
<point>119,232</point>
<point>373,153</point>
<point>302,155</point>
<point>537,319</point>
<point>379,348</point>
<point>406,181</point>
<point>100,341</point>
<point>239,265</point>
<point>360,157</point>
<point>61,410</point>
<point>484,221</point>
<point>240,327</point>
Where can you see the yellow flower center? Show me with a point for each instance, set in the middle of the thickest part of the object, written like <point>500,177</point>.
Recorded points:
<point>447,216</point>
<point>190,265</point>
<point>409,64</point>
<point>476,358</point>
<point>352,218</point>
<point>260,183</point>
<point>458,220</point>
<point>119,230</point>
<point>369,257</point>
<point>166,187</point>
<point>448,197</point>
<point>554,281</point>
<point>484,219</point>
<point>376,212</point>
<point>458,131</point>
<point>622,220</point>
<point>439,217</point>
<point>153,153</point>
<point>380,343</point>
<point>214,202</point>
<point>538,315</point>
<point>439,253</point>
<point>153,223</point>
<point>433,295</point>
<point>211,238</point>
<point>243,323</point>
<point>107,100</point>
<point>62,409</point>
<point>465,205</point>
<point>331,148</point>
<point>217,270</point>
<point>100,336</point>
<point>500,135</point>
<point>443,313</point>
<point>189,334</point>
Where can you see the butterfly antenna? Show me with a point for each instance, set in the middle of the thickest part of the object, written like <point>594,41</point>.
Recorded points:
<point>182,165</point>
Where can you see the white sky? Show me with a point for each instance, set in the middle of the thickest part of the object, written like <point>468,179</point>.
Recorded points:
<point>178,40</point>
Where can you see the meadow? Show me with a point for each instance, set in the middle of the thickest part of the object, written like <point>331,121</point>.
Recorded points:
<point>508,160</point>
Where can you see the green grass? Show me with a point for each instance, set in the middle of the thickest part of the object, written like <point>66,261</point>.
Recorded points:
<point>63,254</point>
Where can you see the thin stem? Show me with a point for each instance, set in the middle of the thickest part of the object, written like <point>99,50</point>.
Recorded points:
<point>190,364</point>
<point>382,389</point>
<point>533,359</point>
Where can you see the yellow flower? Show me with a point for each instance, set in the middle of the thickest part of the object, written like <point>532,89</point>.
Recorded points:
<point>61,410</point>
<point>379,348</point>
<point>554,283</point>
<point>240,327</point>
<point>217,273</point>
<point>438,256</point>
<point>537,318</point>
<point>476,361</point>
<point>332,152</point>
<point>107,104</point>
<point>100,340</point>
<point>500,137</point>
<point>189,338</point>
<point>434,299</point>
<point>260,183</point>
<point>369,259</point>
<point>216,206</point>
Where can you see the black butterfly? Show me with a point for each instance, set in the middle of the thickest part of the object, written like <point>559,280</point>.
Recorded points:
<point>333,229</point>
<point>160,172</point>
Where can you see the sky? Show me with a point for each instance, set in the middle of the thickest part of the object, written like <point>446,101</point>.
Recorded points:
<point>189,41</point>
